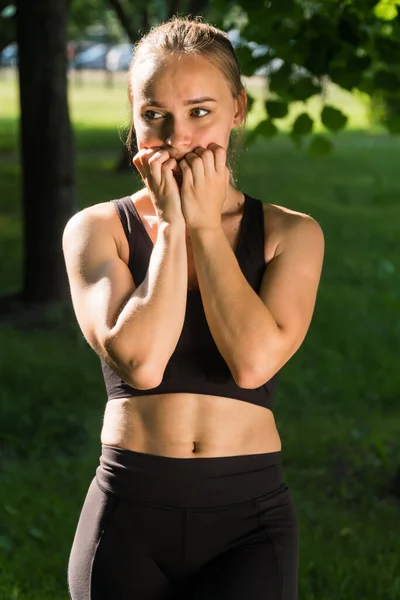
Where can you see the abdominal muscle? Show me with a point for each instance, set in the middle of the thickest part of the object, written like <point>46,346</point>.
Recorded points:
<point>189,426</point>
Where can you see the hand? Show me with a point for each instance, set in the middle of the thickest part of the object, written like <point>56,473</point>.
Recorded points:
<point>155,168</point>
<point>205,181</point>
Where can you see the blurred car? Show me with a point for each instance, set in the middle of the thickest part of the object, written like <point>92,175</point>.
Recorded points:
<point>9,56</point>
<point>92,58</point>
<point>119,57</point>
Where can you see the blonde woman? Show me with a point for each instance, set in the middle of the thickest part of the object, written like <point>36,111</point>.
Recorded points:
<point>194,295</point>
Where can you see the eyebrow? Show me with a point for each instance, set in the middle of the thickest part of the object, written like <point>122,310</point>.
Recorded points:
<point>151,102</point>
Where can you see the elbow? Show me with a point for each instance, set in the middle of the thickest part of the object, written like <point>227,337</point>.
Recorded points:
<point>144,378</point>
<point>251,378</point>
<point>140,377</point>
<point>137,374</point>
<point>247,381</point>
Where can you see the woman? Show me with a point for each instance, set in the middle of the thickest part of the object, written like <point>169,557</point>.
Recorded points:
<point>194,295</point>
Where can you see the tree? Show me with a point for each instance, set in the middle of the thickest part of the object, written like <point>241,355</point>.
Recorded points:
<point>46,147</point>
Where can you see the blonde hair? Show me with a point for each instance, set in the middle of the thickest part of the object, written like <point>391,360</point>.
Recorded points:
<point>188,35</point>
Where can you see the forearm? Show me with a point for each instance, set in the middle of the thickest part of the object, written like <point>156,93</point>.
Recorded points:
<point>149,326</point>
<point>238,319</point>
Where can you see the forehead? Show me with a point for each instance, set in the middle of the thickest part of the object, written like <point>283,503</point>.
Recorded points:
<point>177,77</point>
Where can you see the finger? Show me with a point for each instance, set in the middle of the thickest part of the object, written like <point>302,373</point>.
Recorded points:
<point>187,174</point>
<point>138,168</point>
<point>141,163</point>
<point>207,157</point>
<point>168,165</point>
<point>155,162</point>
<point>168,173</point>
<point>144,158</point>
<point>196,164</point>
<point>219,156</point>
<point>138,164</point>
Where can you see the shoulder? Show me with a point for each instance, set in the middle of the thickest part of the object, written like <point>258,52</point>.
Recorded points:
<point>101,217</point>
<point>282,226</point>
<point>101,212</point>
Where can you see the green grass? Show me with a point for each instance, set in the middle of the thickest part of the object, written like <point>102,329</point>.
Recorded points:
<point>337,406</point>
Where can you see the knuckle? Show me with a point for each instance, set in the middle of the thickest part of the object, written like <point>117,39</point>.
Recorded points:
<point>154,158</point>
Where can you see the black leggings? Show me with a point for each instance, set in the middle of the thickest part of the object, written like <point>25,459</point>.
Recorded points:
<point>160,528</point>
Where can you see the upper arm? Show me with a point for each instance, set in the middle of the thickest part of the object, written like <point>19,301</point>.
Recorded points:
<point>290,283</point>
<point>100,281</point>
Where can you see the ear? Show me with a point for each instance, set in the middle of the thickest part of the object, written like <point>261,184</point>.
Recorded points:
<point>240,108</point>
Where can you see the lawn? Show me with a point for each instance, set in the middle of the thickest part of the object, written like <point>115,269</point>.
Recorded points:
<point>337,406</point>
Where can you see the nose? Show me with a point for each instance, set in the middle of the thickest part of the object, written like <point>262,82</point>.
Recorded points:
<point>178,135</point>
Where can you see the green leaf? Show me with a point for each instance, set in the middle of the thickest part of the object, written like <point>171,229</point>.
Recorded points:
<point>276,109</point>
<point>303,125</point>
<point>385,11</point>
<point>279,81</point>
<point>245,60</point>
<point>333,119</point>
<point>320,146</point>
<point>266,128</point>
<point>304,88</point>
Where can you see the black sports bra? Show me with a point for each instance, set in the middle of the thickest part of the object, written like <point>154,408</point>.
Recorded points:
<point>196,365</point>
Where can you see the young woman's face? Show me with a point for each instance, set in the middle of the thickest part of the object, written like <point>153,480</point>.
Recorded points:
<point>185,100</point>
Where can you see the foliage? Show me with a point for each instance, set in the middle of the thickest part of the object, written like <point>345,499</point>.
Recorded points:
<point>353,43</point>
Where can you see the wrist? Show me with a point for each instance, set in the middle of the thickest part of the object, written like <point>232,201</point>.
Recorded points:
<point>205,233</point>
<point>171,228</point>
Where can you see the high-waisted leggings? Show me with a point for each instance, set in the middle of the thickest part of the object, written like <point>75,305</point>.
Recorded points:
<point>160,528</point>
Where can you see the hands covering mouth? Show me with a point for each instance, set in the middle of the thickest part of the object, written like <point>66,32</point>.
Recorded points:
<point>199,175</point>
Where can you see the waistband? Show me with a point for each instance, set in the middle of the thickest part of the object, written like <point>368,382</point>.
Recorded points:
<point>185,482</point>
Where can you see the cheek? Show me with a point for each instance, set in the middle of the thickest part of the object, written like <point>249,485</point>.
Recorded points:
<point>145,135</point>
<point>219,135</point>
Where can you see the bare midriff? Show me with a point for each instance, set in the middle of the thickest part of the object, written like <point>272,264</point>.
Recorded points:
<point>189,426</point>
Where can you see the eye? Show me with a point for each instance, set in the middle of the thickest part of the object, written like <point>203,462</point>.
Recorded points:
<point>204,109</point>
<point>147,115</point>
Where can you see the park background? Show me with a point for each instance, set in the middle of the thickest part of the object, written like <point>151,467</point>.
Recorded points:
<point>337,404</point>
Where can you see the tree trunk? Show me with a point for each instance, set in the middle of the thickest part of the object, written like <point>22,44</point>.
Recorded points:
<point>46,146</point>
